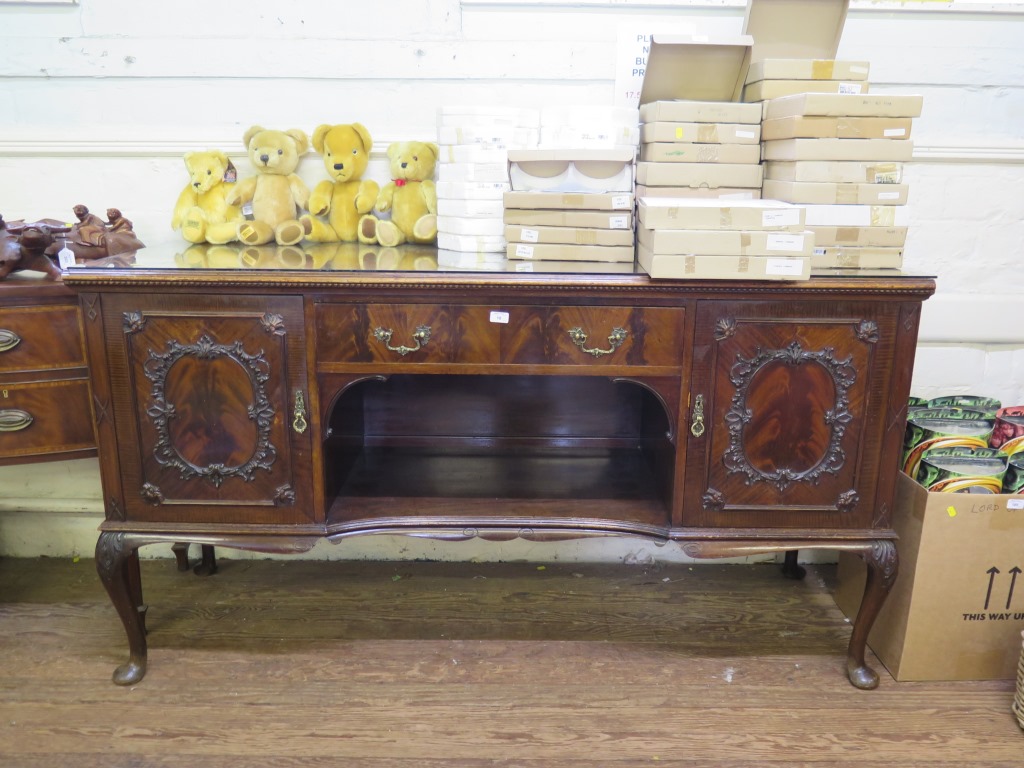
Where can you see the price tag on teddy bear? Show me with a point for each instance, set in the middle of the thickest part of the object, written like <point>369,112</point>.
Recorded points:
<point>65,257</point>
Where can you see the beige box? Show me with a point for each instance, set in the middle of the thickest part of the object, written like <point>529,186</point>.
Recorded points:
<point>795,29</point>
<point>729,193</point>
<point>701,133</point>
<point>694,267</point>
<point>726,242</point>
<point>773,89</point>
<point>683,69</point>
<point>571,170</point>
<point>856,215</point>
<point>836,128</point>
<point>956,610</point>
<point>568,235</point>
<point>710,175</point>
<point>832,193</point>
<point>458,225</point>
<point>880,150</point>
<point>555,218</point>
<point>709,213</point>
<point>576,201</point>
<point>681,152</point>
<point>877,237</point>
<point>856,257</point>
<point>567,252</point>
<point>844,105</point>
<point>851,172</point>
<point>807,69</point>
<point>701,112</point>
<point>472,190</point>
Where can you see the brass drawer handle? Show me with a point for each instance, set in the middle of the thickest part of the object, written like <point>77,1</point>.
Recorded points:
<point>14,420</point>
<point>8,339</point>
<point>697,423</point>
<point>615,339</point>
<point>421,337</point>
<point>299,423</point>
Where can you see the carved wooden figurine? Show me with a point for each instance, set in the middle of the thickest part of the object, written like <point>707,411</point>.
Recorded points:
<point>24,246</point>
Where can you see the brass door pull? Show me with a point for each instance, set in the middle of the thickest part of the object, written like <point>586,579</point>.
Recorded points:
<point>615,339</point>
<point>8,339</point>
<point>697,423</point>
<point>15,420</point>
<point>421,336</point>
<point>299,423</point>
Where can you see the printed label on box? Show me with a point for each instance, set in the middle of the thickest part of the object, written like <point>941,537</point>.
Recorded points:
<point>745,134</point>
<point>524,267</point>
<point>784,243</point>
<point>618,222</point>
<point>526,251</point>
<point>849,87</point>
<point>780,218</point>
<point>894,132</point>
<point>888,195</point>
<point>784,266</point>
<point>499,317</point>
<point>530,235</point>
<point>622,202</point>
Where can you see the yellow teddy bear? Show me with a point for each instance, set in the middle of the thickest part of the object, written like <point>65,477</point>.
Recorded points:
<point>277,194</point>
<point>202,213</point>
<point>411,197</point>
<point>347,197</point>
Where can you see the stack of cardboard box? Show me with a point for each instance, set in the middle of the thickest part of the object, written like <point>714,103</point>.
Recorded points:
<point>472,173</point>
<point>723,239</point>
<point>842,156</point>
<point>570,205</point>
<point>772,78</point>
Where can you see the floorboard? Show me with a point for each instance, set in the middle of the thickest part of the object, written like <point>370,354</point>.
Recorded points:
<point>470,665</point>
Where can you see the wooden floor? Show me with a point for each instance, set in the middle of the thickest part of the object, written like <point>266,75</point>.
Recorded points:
<point>423,665</point>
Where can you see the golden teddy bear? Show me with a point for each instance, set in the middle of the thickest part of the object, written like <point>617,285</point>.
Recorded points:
<point>337,205</point>
<point>202,213</point>
<point>411,197</point>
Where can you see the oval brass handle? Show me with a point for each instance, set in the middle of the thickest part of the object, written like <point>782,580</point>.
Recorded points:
<point>615,339</point>
<point>299,423</point>
<point>8,339</point>
<point>697,423</point>
<point>14,420</point>
<point>421,336</point>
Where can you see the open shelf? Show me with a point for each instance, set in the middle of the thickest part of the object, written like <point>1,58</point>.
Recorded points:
<point>497,448</point>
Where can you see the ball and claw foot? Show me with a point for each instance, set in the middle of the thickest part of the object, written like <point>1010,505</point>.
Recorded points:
<point>130,673</point>
<point>861,675</point>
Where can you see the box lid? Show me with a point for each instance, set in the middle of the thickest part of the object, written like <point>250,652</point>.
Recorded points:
<point>795,29</point>
<point>696,68</point>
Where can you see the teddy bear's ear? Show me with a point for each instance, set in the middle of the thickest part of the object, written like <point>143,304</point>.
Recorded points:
<point>394,149</point>
<point>364,136</point>
<point>249,134</point>
<point>301,140</point>
<point>188,158</point>
<point>221,156</point>
<point>433,148</point>
<point>319,134</point>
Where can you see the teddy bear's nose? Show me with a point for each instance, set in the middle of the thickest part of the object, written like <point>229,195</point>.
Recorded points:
<point>405,165</point>
<point>264,159</point>
<point>195,184</point>
<point>339,166</point>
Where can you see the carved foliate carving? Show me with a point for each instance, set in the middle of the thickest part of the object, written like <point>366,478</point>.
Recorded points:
<point>867,331</point>
<point>725,327</point>
<point>133,322</point>
<point>713,500</point>
<point>883,554</point>
<point>151,494</point>
<point>163,413</point>
<point>284,496</point>
<point>843,375</point>
<point>273,324</point>
<point>847,501</point>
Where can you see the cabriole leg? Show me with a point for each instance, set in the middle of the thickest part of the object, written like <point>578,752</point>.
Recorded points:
<point>883,565</point>
<point>117,563</point>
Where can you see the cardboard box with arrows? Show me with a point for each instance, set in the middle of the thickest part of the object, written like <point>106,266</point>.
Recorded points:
<point>956,611</point>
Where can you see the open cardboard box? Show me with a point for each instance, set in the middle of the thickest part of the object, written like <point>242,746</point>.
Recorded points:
<point>571,170</point>
<point>692,79</point>
<point>956,610</point>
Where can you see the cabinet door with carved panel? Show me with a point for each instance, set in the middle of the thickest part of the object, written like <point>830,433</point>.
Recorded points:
<point>210,405</point>
<point>787,413</point>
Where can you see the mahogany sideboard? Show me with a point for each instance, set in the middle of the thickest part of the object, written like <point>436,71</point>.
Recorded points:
<point>266,409</point>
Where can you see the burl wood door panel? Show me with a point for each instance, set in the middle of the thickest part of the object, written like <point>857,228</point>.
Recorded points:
<point>208,395</point>
<point>786,413</point>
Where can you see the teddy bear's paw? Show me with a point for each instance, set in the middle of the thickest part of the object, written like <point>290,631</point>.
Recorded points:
<point>193,226</point>
<point>289,233</point>
<point>425,227</point>
<point>368,229</point>
<point>249,234</point>
<point>388,234</point>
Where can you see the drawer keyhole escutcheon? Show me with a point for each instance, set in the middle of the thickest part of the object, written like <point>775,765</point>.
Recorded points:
<point>299,423</point>
<point>615,339</point>
<point>8,339</point>
<point>14,420</point>
<point>421,336</point>
<point>697,424</point>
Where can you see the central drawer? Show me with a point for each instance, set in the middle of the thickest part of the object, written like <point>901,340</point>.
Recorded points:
<point>527,335</point>
<point>40,338</point>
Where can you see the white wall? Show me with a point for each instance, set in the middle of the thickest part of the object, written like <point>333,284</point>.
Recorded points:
<point>101,99</point>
